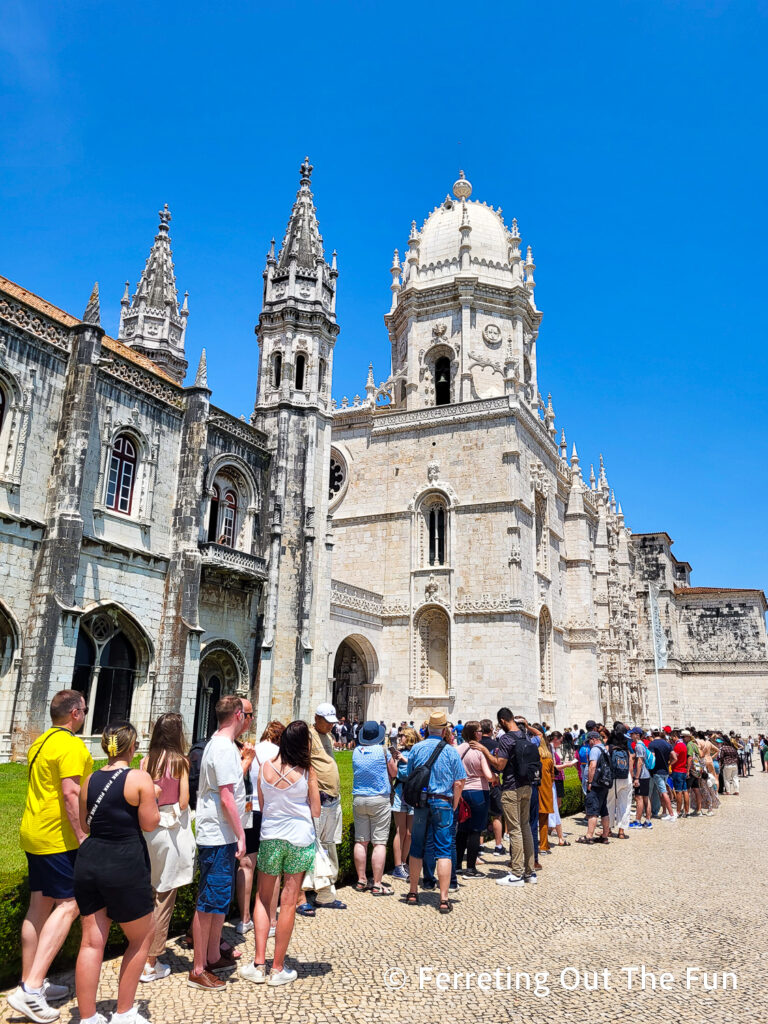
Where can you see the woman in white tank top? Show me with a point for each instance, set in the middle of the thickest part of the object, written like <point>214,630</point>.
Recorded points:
<point>289,799</point>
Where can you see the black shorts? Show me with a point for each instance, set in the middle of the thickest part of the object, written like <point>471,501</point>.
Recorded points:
<point>495,802</point>
<point>643,787</point>
<point>560,788</point>
<point>596,802</point>
<point>114,876</point>
<point>693,782</point>
<point>253,834</point>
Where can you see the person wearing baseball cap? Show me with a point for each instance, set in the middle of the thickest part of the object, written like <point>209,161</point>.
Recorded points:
<point>329,824</point>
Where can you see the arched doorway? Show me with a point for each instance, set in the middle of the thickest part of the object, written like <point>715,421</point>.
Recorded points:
<point>110,658</point>
<point>349,678</point>
<point>223,670</point>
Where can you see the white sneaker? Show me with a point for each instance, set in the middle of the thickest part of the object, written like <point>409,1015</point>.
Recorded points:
<point>97,1018</point>
<point>131,1016</point>
<point>156,973</point>
<point>284,977</point>
<point>257,973</point>
<point>272,931</point>
<point>532,879</point>
<point>243,927</point>
<point>667,817</point>
<point>53,992</point>
<point>32,1005</point>
<point>510,879</point>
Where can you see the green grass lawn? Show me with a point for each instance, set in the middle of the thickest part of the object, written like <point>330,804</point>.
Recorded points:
<point>13,787</point>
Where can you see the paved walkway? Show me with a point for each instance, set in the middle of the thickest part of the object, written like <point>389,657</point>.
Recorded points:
<point>690,894</point>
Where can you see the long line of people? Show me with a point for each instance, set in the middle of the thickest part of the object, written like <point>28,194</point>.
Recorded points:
<point>116,844</point>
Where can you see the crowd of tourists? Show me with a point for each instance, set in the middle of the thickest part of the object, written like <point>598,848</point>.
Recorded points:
<point>116,843</point>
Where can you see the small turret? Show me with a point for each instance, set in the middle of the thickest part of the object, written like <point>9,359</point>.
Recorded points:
<point>92,314</point>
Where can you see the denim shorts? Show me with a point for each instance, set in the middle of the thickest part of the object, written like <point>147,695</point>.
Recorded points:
<point>398,804</point>
<point>217,873</point>
<point>438,814</point>
<point>679,782</point>
<point>596,802</point>
<point>659,783</point>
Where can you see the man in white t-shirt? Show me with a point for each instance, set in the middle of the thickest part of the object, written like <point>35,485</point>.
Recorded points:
<point>220,839</point>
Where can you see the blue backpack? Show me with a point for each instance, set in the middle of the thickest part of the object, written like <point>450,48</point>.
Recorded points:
<point>620,763</point>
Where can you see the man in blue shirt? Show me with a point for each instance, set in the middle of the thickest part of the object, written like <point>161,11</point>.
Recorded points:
<point>446,782</point>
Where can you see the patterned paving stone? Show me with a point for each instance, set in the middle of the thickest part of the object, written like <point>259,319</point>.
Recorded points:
<point>681,896</point>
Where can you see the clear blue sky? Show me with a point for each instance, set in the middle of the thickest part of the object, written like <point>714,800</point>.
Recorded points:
<point>629,139</point>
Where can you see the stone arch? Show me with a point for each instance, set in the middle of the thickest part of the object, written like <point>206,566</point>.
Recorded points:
<point>243,480</point>
<point>223,670</point>
<point>240,466</point>
<point>10,662</point>
<point>355,672</point>
<point>432,652</point>
<point>113,663</point>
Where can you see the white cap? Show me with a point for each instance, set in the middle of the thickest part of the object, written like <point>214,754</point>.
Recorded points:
<point>326,711</point>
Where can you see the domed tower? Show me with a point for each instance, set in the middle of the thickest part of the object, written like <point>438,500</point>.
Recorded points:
<point>463,322</point>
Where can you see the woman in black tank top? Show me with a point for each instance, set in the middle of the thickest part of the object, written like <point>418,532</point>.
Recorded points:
<point>112,873</point>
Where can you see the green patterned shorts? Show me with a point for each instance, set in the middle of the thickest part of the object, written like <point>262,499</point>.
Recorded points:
<point>279,857</point>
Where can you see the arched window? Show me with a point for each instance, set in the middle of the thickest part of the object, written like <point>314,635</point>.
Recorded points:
<point>2,407</point>
<point>277,370</point>
<point>437,535</point>
<point>301,362</point>
<point>122,475</point>
<point>227,519</point>
<point>213,516</point>
<point>403,391</point>
<point>434,531</point>
<point>321,371</point>
<point>442,381</point>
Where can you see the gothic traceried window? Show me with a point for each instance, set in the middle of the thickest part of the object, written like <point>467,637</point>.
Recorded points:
<point>321,372</point>
<point>122,475</point>
<point>226,514</point>
<point>433,532</point>
<point>337,476</point>
<point>213,515</point>
<point>277,370</point>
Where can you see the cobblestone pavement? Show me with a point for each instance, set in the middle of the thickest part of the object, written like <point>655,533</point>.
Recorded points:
<point>688,894</point>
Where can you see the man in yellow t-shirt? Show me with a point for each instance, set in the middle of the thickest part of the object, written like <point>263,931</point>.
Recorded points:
<point>50,836</point>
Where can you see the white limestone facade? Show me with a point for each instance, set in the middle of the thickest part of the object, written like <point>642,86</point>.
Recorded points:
<point>432,543</point>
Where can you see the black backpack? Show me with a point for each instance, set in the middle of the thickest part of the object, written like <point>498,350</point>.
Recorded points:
<point>527,766</point>
<point>195,757</point>
<point>415,786</point>
<point>619,763</point>
<point>603,773</point>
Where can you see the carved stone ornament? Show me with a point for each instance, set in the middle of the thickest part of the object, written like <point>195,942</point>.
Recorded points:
<point>492,334</point>
<point>433,471</point>
<point>439,331</point>
<point>539,478</point>
<point>431,588</point>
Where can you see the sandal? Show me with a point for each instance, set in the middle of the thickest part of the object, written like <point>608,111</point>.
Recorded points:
<point>412,899</point>
<point>564,843</point>
<point>604,840</point>
<point>305,910</point>
<point>333,905</point>
<point>362,886</point>
<point>445,907</point>
<point>585,841</point>
<point>382,890</point>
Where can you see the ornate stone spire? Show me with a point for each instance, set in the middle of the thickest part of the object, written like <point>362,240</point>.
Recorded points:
<point>303,241</point>
<point>92,314</point>
<point>201,377</point>
<point>151,322</point>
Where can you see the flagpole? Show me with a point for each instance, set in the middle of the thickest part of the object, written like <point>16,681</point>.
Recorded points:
<point>655,658</point>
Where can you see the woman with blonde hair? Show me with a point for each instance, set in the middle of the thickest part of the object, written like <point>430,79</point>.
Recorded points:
<point>113,875</point>
<point>172,844</point>
<point>403,812</point>
<point>265,750</point>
